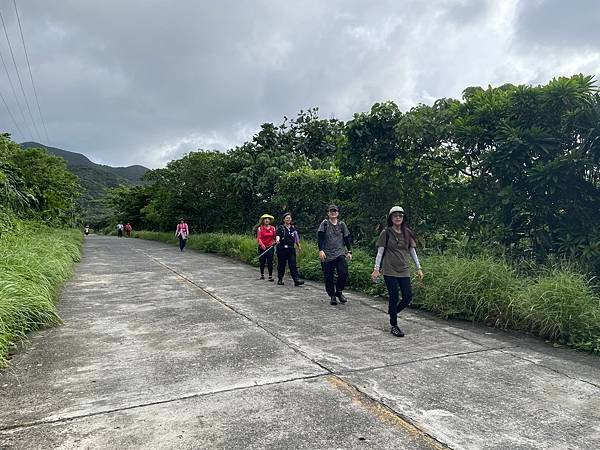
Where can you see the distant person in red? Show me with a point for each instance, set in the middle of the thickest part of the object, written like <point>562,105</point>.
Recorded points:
<point>128,229</point>
<point>182,233</point>
<point>266,237</point>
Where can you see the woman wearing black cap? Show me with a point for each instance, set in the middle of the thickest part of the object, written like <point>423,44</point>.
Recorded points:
<point>332,237</point>
<point>286,252</point>
<point>394,245</point>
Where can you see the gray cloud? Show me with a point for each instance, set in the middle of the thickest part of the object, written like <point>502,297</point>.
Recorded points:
<point>146,81</point>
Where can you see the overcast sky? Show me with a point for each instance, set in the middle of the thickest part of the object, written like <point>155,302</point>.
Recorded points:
<point>144,82</point>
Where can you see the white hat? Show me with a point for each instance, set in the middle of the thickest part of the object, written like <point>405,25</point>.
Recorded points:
<point>396,209</point>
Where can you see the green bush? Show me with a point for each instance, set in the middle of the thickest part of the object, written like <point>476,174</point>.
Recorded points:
<point>480,289</point>
<point>558,305</point>
<point>34,262</point>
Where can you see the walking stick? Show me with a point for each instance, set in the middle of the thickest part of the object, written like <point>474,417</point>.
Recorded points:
<point>271,247</point>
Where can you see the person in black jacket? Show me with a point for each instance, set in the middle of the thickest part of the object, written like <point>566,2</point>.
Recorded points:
<point>332,237</point>
<point>286,251</point>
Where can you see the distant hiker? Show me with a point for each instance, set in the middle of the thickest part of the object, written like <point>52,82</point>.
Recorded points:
<point>128,229</point>
<point>86,230</point>
<point>332,237</point>
<point>120,229</point>
<point>267,238</point>
<point>394,245</point>
<point>286,252</point>
<point>182,232</point>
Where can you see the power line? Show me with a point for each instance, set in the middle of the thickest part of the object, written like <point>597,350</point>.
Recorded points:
<point>30,74</point>
<point>11,115</point>
<point>12,86</point>
<point>19,78</point>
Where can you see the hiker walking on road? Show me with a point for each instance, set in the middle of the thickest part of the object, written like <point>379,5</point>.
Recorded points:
<point>396,242</point>
<point>120,229</point>
<point>128,229</point>
<point>266,237</point>
<point>182,232</point>
<point>286,252</point>
<point>332,237</point>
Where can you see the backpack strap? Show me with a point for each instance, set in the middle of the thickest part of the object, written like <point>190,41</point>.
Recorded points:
<point>387,238</point>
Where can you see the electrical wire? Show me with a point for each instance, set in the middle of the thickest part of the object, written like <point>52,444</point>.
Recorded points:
<point>11,115</point>
<point>30,74</point>
<point>19,77</point>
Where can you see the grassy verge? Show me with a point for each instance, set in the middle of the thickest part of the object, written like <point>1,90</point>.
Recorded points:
<point>559,305</point>
<point>34,262</point>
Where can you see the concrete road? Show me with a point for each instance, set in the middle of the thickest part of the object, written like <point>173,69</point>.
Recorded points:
<point>162,349</point>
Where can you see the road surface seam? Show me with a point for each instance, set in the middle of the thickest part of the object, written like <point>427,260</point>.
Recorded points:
<point>157,402</point>
<point>550,369</point>
<point>414,361</point>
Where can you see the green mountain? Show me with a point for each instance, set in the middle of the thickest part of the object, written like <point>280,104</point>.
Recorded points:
<point>95,179</point>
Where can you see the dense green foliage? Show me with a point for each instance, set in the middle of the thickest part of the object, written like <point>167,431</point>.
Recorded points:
<point>36,185</point>
<point>512,169</point>
<point>34,262</point>
<point>559,305</point>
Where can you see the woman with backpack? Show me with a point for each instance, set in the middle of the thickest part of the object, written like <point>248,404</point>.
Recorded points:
<point>396,242</point>
<point>182,232</point>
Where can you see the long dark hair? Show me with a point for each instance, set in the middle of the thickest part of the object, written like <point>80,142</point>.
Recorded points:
<point>406,232</point>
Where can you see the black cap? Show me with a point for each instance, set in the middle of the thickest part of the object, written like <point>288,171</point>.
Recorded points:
<point>333,207</point>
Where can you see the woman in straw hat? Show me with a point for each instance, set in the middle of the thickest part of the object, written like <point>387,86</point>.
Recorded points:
<point>395,244</point>
<point>266,236</point>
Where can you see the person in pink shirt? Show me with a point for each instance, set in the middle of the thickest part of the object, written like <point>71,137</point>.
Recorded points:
<point>182,233</point>
<point>266,237</point>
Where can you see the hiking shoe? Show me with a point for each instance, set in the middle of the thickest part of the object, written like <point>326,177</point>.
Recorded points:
<point>298,283</point>
<point>271,279</point>
<point>262,277</point>
<point>280,282</point>
<point>342,298</point>
<point>333,300</point>
<point>397,331</point>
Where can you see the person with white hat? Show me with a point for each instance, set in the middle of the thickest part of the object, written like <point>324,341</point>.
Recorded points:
<point>396,242</point>
<point>266,237</point>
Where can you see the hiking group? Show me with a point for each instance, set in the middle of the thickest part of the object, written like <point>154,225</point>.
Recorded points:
<point>396,245</point>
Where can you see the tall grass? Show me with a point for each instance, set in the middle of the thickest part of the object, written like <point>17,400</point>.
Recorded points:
<point>559,304</point>
<point>34,262</point>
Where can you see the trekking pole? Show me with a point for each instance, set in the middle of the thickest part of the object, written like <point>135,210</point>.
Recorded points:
<point>271,247</point>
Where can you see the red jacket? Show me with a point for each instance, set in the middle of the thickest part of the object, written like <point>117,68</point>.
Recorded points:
<point>265,236</point>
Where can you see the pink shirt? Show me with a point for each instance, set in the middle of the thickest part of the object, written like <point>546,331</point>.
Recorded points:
<point>182,229</point>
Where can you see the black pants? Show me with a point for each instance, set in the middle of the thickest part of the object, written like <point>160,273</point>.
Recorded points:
<point>394,285</point>
<point>266,259</point>
<point>182,242</point>
<point>120,233</point>
<point>329,267</point>
<point>287,255</point>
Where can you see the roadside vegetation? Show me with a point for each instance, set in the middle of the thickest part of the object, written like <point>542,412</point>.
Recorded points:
<point>38,245</point>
